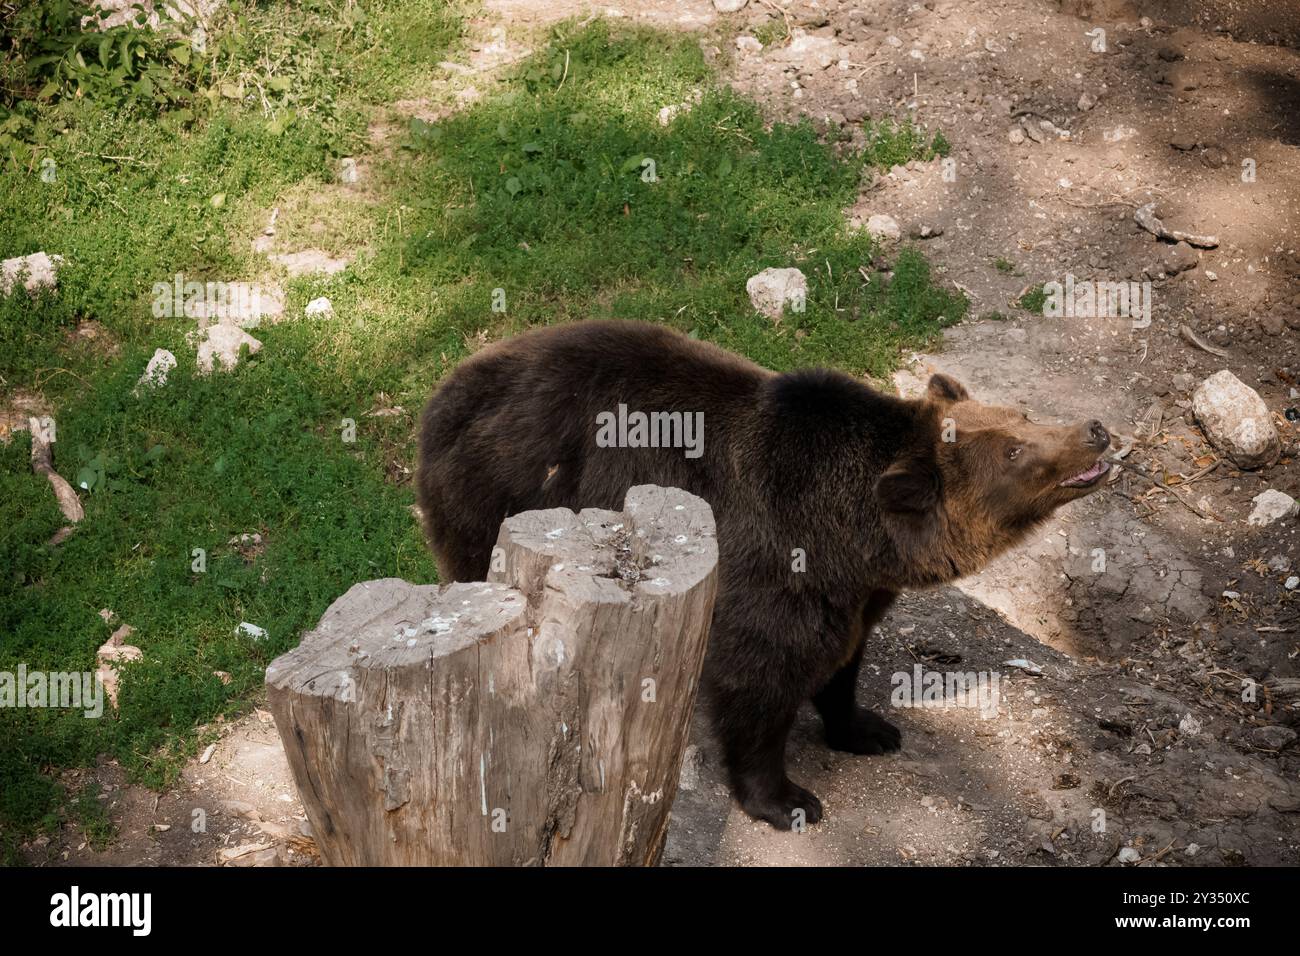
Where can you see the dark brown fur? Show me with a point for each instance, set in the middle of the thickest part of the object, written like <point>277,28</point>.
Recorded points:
<point>866,485</point>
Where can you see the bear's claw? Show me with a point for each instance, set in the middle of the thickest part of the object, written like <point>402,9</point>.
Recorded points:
<point>792,807</point>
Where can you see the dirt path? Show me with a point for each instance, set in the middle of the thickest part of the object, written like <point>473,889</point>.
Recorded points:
<point>1134,744</point>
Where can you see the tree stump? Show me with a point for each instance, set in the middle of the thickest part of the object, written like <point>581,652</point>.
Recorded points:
<point>538,718</point>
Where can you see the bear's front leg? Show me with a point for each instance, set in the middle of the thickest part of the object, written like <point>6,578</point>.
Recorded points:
<point>851,728</point>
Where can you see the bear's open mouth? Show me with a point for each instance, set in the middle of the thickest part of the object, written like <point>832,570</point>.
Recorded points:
<point>1090,477</point>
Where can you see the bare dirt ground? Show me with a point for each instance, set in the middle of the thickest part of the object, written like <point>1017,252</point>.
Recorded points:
<point>1133,746</point>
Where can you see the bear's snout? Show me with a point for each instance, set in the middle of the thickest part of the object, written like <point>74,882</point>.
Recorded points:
<point>1096,436</point>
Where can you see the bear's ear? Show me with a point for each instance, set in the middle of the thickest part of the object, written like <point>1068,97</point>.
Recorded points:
<point>944,388</point>
<point>910,487</point>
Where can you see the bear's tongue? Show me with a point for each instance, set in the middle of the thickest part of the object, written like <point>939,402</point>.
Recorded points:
<point>1084,477</point>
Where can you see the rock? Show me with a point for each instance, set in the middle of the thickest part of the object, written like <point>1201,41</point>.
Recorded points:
<point>1279,563</point>
<point>114,650</point>
<point>810,52</point>
<point>348,172</point>
<point>249,854</point>
<point>155,373</point>
<point>1272,737</point>
<point>881,226</point>
<point>222,342</point>
<point>771,289</point>
<point>1179,258</point>
<point>1270,506</point>
<point>1292,583</point>
<point>1086,101</point>
<point>729,6</point>
<point>1189,726</point>
<point>309,262</point>
<point>1016,135</point>
<point>924,231</point>
<point>748,44</point>
<point>39,271</point>
<point>1272,324</point>
<point>1183,143</point>
<point>1236,420</point>
<point>1129,855</point>
<point>319,307</point>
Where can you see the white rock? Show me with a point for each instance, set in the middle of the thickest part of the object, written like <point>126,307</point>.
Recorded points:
<point>1086,102</point>
<point>251,630</point>
<point>1236,420</point>
<point>771,289</point>
<point>1189,726</point>
<point>729,6</point>
<point>811,51</point>
<point>748,44</point>
<point>1270,506</point>
<point>222,342</point>
<point>1129,855</point>
<point>1292,583</point>
<point>320,307</point>
<point>39,271</point>
<point>155,373</point>
<point>882,226</point>
<point>310,262</point>
<point>348,172</point>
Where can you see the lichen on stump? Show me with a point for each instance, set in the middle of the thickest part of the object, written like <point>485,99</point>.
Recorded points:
<point>538,718</point>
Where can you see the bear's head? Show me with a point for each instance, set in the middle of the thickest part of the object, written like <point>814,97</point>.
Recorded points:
<point>982,479</point>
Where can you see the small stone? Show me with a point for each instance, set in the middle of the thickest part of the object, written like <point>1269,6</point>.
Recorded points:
<point>771,289</point>
<point>319,307</point>
<point>1292,583</point>
<point>1189,726</point>
<point>1270,506</point>
<point>1179,258</point>
<point>155,373</point>
<point>748,44</point>
<point>1016,135</point>
<point>1272,737</point>
<point>1236,420</point>
<point>729,6</point>
<point>1086,101</point>
<point>882,226</point>
<point>348,172</point>
<point>1129,855</point>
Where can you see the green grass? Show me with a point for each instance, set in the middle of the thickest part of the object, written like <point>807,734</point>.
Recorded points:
<point>536,189</point>
<point>889,143</point>
<point>1033,300</point>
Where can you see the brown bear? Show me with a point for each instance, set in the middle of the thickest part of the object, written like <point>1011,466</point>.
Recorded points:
<point>829,496</point>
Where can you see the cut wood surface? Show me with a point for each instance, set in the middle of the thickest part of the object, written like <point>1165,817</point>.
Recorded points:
<point>538,718</point>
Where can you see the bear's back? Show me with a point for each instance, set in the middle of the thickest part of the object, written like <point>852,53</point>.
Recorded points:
<point>515,428</point>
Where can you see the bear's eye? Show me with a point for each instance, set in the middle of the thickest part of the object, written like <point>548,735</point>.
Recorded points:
<point>1014,452</point>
